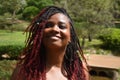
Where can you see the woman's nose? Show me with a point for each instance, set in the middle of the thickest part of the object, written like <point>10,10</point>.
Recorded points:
<point>56,28</point>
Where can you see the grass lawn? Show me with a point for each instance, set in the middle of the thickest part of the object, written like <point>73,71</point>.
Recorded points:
<point>6,69</point>
<point>11,38</point>
<point>8,38</point>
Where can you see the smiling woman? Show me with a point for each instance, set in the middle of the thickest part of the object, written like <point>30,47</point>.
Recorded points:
<point>57,32</point>
<point>52,49</point>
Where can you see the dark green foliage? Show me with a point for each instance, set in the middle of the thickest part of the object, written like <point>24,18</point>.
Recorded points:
<point>11,44</point>
<point>111,40</point>
<point>12,50</point>
<point>30,12</point>
<point>11,6</point>
<point>5,20</point>
<point>39,3</point>
<point>33,8</point>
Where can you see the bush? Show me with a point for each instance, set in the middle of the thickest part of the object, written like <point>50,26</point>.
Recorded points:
<point>5,20</point>
<point>111,40</point>
<point>11,44</point>
<point>30,12</point>
<point>21,26</point>
<point>11,50</point>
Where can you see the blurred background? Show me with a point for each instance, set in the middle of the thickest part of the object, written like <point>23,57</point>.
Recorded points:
<point>97,23</point>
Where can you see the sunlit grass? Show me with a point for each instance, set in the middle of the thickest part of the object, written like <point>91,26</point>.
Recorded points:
<point>94,47</point>
<point>6,69</point>
<point>92,43</point>
<point>11,38</point>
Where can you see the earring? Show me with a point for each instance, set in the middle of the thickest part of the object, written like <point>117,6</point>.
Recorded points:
<point>38,23</point>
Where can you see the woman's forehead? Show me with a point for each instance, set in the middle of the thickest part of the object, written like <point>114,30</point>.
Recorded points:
<point>59,15</point>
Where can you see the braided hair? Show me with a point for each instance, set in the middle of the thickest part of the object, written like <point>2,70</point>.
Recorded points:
<point>34,62</point>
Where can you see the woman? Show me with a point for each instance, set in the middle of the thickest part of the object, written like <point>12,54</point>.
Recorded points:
<point>52,49</point>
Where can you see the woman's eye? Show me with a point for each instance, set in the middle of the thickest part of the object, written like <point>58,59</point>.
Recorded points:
<point>62,26</point>
<point>49,24</point>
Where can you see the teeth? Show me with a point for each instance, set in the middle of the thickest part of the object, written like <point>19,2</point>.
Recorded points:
<point>54,37</point>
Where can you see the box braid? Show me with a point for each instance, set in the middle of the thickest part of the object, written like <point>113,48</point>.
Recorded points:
<point>34,61</point>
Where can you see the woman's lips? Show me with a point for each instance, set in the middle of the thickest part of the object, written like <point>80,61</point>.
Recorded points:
<point>55,37</point>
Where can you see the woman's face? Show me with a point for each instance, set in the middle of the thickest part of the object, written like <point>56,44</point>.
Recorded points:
<point>57,31</point>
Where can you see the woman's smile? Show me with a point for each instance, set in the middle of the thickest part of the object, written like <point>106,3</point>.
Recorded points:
<point>55,37</point>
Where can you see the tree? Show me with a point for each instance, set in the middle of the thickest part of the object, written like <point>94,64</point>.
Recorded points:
<point>30,12</point>
<point>116,9</point>
<point>5,21</point>
<point>91,15</point>
<point>116,12</point>
<point>112,40</point>
<point>10,7</point>
<point>34,6</point>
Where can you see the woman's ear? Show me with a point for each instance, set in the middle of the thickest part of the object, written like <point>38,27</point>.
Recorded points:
<point>69,42</point>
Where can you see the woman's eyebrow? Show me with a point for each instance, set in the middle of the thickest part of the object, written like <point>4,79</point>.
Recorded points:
<point>62,22</point>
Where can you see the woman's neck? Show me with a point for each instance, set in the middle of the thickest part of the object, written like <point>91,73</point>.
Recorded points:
<point>54,57</point>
